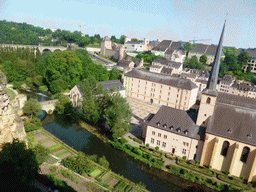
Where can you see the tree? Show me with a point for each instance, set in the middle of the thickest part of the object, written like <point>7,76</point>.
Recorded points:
<point>135,40</point>
<point>230,51</point>
<point>113,38</point>
<point>18,166</point>
<point>60,105</point>
<point>41,153</point>
<point>114,73</point>
<point>187,47</point>
<point>243,58</point>
<point>31,107</point>
<point>193,63</point>
<point>203,59</point>
<point>122,38</point>
<point>118,114</point>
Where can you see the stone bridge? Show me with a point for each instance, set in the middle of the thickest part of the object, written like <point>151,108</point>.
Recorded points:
<point>48,105</point>
<point>41,48</point>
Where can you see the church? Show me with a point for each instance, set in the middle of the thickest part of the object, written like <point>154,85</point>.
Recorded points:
<point>222,136</point>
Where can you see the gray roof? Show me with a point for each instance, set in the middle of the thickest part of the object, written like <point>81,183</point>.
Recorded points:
<point>228,79</point>
<point>112,83</point>
<point>166,70</point>
<point>233,122</point>
<point>124,63</point>
<point>251,52</point>
<point>161,78</point>
<point>155,66</point>
<point>235,100</point>
<point>201,81</point>
<point>163,45</point>
<point>244,86</point>
<point>167,63</point>
<point>176,121</point>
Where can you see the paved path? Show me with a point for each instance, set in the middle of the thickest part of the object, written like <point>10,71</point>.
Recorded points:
<point>9,86</point>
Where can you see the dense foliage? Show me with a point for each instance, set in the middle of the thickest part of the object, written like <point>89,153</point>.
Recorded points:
<point>187,47</point>
<point>18,166</point>
<point>31,107</point>
<point>33,124</point>
<point>80,163</point>
<point>148,56</point>
<point>41,153</point>
<point>120,40</point>
<point>233,64</point>
<point>98,102</point>
<point>193,63</point>
<point>59,184</point>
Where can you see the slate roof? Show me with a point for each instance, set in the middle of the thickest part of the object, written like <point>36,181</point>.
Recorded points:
<point>162,46</point>
<point>237,101</point>
<point>161,78</point>
<point>166,70</point>
<point>188,75</point>
<point>155,66</point>
<point>124,63</point>
<point>228,79</point>
<point>175,121</point>
<point>244,86</point>
<point>167,63</point>
<point>233,122</point>
<point>112,83</point>
<point>201,81</point>
<point>204,49</point>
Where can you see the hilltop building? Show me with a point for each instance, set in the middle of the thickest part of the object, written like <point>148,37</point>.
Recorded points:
<point>252,62</point>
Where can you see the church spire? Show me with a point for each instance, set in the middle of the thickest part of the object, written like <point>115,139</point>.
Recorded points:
<point>212,81</point>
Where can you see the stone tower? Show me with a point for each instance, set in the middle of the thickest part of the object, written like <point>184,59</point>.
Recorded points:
<point>209,94</point>
<point>106,43</point>
<point>121,53</point>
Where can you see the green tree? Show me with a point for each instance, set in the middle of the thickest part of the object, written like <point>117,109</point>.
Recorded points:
<point>114,73</point>
<point>230,51</point>
<point>187,47</point>
<point>203,59</point>
<point>121,40</point>
<point>60,105</point>
<point>243,58</point>
<point>18,166</point>
<point>118,114</point>
<point>113,38</point>
<point>193,63</point>
<point>41,153</point>
<point>31,107</point>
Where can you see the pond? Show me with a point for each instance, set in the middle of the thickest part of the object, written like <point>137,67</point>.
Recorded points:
<point>120,163</point>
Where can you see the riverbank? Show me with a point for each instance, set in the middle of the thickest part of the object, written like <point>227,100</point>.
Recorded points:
<point>104,179</point>
<point>183,180</point>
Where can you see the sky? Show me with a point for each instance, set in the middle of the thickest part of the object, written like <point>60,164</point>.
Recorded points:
<point>154,19</point>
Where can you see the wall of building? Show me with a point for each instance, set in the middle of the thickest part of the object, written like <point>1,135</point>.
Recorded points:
<point>232,161</point>
<point>159,93</point>
<point>170,142</point>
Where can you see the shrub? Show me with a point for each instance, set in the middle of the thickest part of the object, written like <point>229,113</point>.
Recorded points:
<point>123,141</point>
<point>99,179</point>
<point>184,157</point>
<point>197,161</point>
<point>147,145</point>
<point>157,148</point>
<point>227,172</point>
<point>209,166</point>
<point>103,162</point>
<point>242,178</point>
<point>183,171</point>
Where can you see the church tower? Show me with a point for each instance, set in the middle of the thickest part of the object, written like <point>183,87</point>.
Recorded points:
<point>209,94</point>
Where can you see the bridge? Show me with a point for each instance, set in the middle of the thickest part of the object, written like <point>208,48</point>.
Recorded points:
<point>41,48</point>
<point>48,105</point>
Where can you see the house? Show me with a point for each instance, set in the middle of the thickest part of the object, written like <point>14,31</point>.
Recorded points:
<point>76,94</point>
<point>176,66</point>
<point>161,89</point>
<point>173,131</point>
<point>140,46</point>
<point>225,83</point>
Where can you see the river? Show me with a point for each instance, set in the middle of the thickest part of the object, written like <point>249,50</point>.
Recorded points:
<point>120,163</point>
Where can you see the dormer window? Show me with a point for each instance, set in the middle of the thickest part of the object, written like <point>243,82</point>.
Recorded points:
<point>249,135</point>
<point>186,132</point>
<point>229,131</point>
<point>178,130</point>
<point>171,127</point>
<point>158,123</point>
<point>165,126</point>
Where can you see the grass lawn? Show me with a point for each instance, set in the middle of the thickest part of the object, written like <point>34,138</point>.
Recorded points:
<point>95,173</point>
<point>10,93</point>
<point>96,45</point>
<point>54,147</point>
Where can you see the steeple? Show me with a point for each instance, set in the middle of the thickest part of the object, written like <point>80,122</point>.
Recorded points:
<point>212,81</point>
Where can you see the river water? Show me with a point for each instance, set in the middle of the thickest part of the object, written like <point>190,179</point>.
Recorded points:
<point>120,163</point>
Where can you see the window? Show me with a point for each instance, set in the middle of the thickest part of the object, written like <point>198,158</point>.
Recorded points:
<point>165,136</point>
<point>184,151</point>
<point>138,85</point>
<point>159,134</point>
<point>153,132</point>
<point>224,150</point>
<point>178,90</point>
<point>131,89</point>
<point>245,154</point>
<point>185,103</point>
<point>167,98</point>
<point>159,96</point>
<point>176,101</point>
<point>132,84</point>
<point>161,86</point>
<point>164,144</point>
<point>186,98</point>
<point>152,140</point>
<point>177,95</point>
<point>160,91</point>
<point>168,93</point>
<point>208,100</point>
<point>145,93</point>
<point>158,142</point>
<point>169,88</point>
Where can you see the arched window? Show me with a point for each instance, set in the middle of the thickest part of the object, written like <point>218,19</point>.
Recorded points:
<point>224,149</point>
<point>208,100</point>
<point>245,153</point>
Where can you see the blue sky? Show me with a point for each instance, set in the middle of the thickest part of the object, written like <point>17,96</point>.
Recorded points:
<point>165,19</point>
